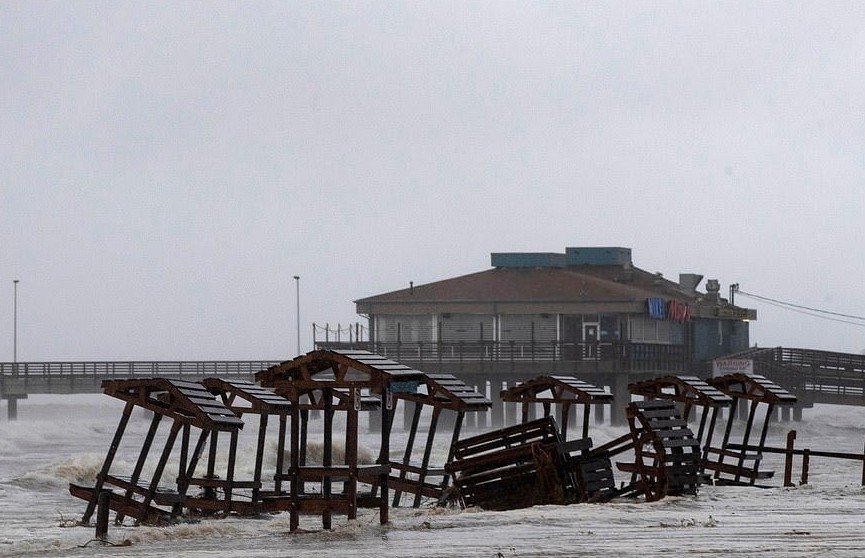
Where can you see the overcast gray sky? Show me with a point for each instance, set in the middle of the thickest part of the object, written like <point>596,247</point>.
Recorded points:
<point>166,168</point>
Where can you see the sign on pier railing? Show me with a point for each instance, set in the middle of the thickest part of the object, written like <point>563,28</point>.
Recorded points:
<point>725,366</point>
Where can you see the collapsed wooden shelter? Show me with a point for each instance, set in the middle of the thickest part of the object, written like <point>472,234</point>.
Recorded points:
<point>439,393</point>
<point>591,469</point>
<point>744,464</point>
<point>691,393</point>
<point>244,399</point>
<point>666,453</point>
<point>515,467</point>
<point>562,391</point>
<point>526,464</point>
<point>329,382</point>
<point>189,406</point>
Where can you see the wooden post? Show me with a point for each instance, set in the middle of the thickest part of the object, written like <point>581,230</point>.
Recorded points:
<point>409,446</point>
<point>259,456</point>
<point>102,510</point>
<point>352,418</point>
<point>280,455</point>
<point>139,465</point>
<point>106,465</point>
<point>746,436</point>
<point>327,458</point>
<point>431,433</point>
<point>806,459</point>
<point>788,463</point>
<point>455,436</point>
<point>384,459</point>
<point>863,468</point>
<point>294,463</point>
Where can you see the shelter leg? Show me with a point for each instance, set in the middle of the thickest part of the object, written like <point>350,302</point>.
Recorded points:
<point>109,459</point>
<point>139,465</point>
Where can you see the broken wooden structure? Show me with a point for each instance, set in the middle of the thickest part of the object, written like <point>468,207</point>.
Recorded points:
<point>245,399</point>
<point>666,452</point>
<point>692,394</point>
<point>740,463</point>
<point>560,393</point>
<point>331,382</point>
<point>437,393</point>
<point>514,467</point>
<point>790,451</point>
<point>188,405</point>
<point>592,470</point>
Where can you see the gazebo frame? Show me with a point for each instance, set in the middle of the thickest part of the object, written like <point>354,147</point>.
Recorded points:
<point>188,405</point>
<point>332,381</point>
<point>439,392</point>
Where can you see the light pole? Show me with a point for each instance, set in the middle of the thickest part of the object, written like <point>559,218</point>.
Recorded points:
<point>297,308</point>
<point>15,328</point>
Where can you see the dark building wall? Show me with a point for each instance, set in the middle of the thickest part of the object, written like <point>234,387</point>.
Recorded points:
<point>715,338</point>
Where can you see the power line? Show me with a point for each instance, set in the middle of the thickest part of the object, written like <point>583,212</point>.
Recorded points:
<point>807,310</point>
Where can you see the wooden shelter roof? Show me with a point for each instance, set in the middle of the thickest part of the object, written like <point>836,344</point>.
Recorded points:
<point>753,387</point>
<point>341,369</point>
<point>556,389</point>
<point>188,402</point>
<point>448,392</point>
<point>246,397</point>
<point>685,389</point>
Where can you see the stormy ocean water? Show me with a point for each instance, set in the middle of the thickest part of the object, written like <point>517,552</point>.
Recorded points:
<point>58,440</point>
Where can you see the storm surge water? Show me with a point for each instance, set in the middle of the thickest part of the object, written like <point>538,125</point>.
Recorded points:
<point>58,440</point>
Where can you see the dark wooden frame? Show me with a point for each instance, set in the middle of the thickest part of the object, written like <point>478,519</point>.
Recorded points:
<point>331,382</point>
<point>439,393</point>
<point>757,390</point>
<point>189,405</point>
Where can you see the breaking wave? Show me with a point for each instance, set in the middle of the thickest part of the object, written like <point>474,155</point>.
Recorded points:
<point>80,469</point>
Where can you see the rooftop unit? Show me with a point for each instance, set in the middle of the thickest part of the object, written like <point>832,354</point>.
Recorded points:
<point>571,257</point>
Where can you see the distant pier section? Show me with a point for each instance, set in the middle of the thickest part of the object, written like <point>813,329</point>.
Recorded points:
<point>18,380</point>
<point>813,376</point>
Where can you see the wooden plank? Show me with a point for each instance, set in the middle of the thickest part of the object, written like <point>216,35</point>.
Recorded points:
<point>660,413</point>
<point>576,445</point>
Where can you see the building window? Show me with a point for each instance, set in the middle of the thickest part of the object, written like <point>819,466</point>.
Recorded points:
<point>527,327</point>
<point>405,329</point>
<point>466,327</point>
<point>647,330</point>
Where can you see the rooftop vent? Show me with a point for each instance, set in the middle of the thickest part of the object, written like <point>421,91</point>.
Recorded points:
<point>599,256</point>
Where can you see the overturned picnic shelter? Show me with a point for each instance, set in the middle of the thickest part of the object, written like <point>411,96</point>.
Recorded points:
<point>188,405</point>
<point>693,395</point>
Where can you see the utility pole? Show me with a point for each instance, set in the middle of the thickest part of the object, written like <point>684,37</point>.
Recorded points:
<point>15,328</point>
<point>297,308</point>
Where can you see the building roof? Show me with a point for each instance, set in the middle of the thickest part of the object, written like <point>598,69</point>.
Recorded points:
<point>531,285</point>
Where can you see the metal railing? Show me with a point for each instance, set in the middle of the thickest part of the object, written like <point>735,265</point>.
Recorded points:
<point>821,375</point>
<point>627,356</point>
<point>132,369</point>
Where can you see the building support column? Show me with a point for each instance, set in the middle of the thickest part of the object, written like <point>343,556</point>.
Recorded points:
<point>621,398</point>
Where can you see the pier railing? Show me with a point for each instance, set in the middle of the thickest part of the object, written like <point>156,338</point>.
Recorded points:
<point>626,357</point>
<point>132,369</point>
